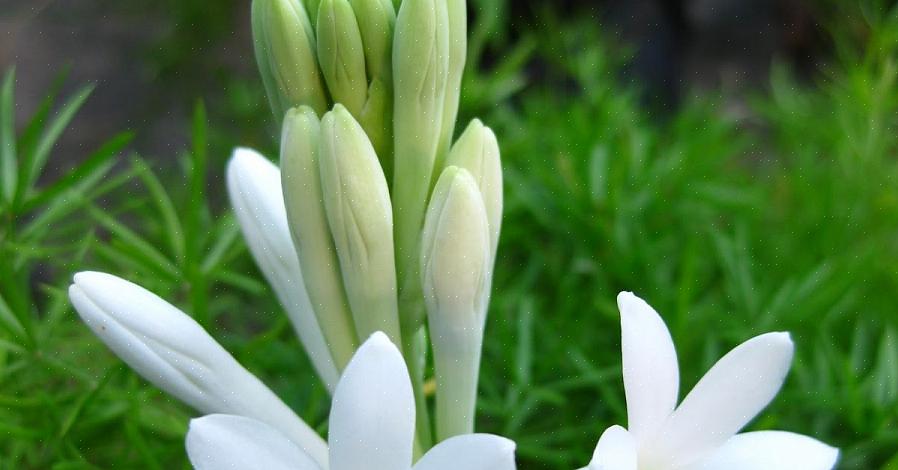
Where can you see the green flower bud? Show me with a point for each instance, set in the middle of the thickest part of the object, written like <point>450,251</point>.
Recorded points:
<point>376,20</point>
<point>357,204</point>
<point>420,65</point>
<point>285,51</point>
<point>377,120</point>
<point>312,8</point>
<point>455,257</point>
<point>342,55</point>
<point>458,49</point>
<point>478,152</point>
<point>311,234</point>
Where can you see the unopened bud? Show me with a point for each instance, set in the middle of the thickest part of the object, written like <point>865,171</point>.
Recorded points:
<point>376,20</point>
<point>478,152</point>
<point>342,55</point>
<point>285,51</point>
<point>311,235</point>
<point>420,65</point>
<point>455,257</point>
<point>458,49</point>
<point>357,204</point>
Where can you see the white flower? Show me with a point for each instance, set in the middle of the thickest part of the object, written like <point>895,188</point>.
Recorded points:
<point>372,424</point>
<point>700,434</point>
<point>254,186</point>
<point>170,349</point>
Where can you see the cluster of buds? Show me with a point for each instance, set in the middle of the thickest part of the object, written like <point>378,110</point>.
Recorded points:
<point>394,226</point>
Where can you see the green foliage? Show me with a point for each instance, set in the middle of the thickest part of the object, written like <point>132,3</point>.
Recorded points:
<point>788,221</point>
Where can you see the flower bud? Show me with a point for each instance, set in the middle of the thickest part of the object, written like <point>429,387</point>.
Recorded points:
<point>420,66</point>
<point>170,349</point>
<point>311,235</point>
<point>455,257</point>
<point>377,120</point>
<point>376,20</point>
<point>285,51</point>
<point>312,8</point>
<point>478,152</point>
<point>357,204</point>
<point>254,186</point>
<point>342,55</point>
<point>458,48</point>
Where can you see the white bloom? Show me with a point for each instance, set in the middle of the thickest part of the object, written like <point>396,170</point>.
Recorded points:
<point>170,349</point>
<point>254,185</point>
<point>700,434</point>
<point>371,427</point>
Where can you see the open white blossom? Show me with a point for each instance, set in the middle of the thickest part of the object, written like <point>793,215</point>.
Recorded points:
<point>700,433</point>
<point>372,424</point>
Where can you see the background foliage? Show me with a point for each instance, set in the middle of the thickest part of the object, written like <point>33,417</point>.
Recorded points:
<point>780,216</point>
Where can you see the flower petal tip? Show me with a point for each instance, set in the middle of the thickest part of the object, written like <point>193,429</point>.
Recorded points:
<point>507,446</point>
<point>625,297</point>
<point>379,340</point>
<point>780,340</point>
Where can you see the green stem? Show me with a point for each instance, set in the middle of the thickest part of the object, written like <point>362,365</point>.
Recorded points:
<point>415,348</point>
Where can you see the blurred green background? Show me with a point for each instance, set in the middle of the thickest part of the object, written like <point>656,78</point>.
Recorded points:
<point>735,163</point>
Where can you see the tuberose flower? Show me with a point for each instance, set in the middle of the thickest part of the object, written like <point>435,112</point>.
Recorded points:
<point>700,433</point>
<point>171,350</point>
<point>372,424</point>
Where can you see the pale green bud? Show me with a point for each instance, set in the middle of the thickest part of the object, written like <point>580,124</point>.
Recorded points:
<point>455,257</point>
<point>311,233</point>
<point>458,49</point>
<point>455,247</point>
<point>477,151</point>
<point>312,8</point>
<point>377,120</point>
<point>376,20</point>
<point>455,267</point>
<point>357,204</point>
<point>342,55</point>
<point>420,64</point>
<point>285,51</point>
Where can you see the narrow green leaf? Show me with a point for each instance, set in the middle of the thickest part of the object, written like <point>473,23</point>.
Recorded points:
<point>197,184</point>
<point>885,376</point>
<point>96,165</point>
<point>9,321</point>
<point>8,165</point>
<point>134,243</point>
<point>225,239</point>
<point>30,136</point>
<point>34,162</point>
<point>174,232</point>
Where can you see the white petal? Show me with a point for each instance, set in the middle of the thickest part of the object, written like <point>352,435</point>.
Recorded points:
<point>372,421</point>
<point>651,373</point>
<point>254,186</point>
<point>770,450</point>
<point>219,442</point>
<point>733,392</point>
<point>470,452</point>
<point>170,349</point>
<point>616,450</point>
